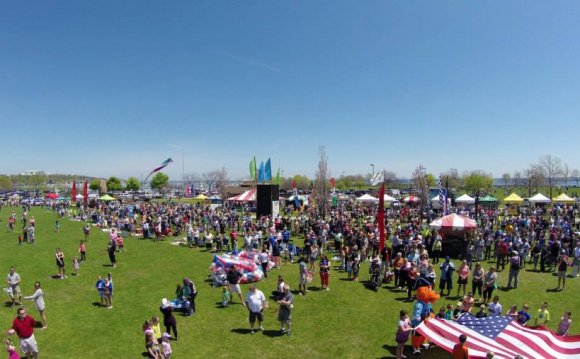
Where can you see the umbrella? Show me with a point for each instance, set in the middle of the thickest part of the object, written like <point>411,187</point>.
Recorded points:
<point>454,222</point>
<point>79,196</point>
<point>51,196</point>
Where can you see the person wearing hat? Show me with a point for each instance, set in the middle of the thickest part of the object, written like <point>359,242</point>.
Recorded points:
<point>514,270</point>
<point>168,318</point>
<point>256,302</point>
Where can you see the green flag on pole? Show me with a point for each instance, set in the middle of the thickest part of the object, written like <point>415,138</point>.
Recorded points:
<point>253,168</point>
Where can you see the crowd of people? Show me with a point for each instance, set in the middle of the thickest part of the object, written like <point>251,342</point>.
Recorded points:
<point>541,238</point>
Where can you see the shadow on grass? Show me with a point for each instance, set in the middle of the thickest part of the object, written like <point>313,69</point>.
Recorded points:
<point>241,331</point>
<point>392,349</point>
<point>273,333</point>
<point>96,304</point>
<point>145,355</point>
<point>107,265</point>
<point>314,289</point>
<point>345,279</point>
<point>553,290</point>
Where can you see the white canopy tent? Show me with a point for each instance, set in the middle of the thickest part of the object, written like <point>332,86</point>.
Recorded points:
<point>435,202</point>
<point>465,199</point>
<point>388,198</point>
<point>539,198</point>
<point>367,198</point>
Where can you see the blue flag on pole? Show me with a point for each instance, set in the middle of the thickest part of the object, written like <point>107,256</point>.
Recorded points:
<point>261,174</point>
<point>268,171</point>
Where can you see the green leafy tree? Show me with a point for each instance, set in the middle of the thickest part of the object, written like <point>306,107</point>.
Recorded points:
<point>133,184</point>
<point>159,181</point>
<point>5,183</point>
<point>302,182</point>
<point>431,179</point>
<point>477,182</point>
<point>95,184</point>
<point>114,184</point>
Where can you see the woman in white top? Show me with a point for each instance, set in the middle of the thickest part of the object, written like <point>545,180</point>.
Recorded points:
<point>38,297</point>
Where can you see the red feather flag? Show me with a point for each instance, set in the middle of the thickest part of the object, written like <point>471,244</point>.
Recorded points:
<point>381,217</point>
<point>85,192</point>
<point>73,192</point>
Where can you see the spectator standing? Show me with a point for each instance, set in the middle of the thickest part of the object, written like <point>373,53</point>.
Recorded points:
<point>256,302</point>
<point>514,270</point>
<point>404,329</point>
<point>286,303</point>
<point>38,298</point>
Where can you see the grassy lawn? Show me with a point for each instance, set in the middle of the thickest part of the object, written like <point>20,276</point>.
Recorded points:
<point>349,321</point>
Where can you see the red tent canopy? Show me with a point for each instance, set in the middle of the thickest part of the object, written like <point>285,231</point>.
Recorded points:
<point>454,222</point>
<point>249,195</point>
<point>51,196</point>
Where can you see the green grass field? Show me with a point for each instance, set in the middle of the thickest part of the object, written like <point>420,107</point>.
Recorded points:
<point>349,321</point>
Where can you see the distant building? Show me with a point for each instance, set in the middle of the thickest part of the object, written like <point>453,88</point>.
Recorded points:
<point>30,172</point>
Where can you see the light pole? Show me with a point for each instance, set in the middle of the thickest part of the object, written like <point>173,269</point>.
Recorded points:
<point>373,166</point>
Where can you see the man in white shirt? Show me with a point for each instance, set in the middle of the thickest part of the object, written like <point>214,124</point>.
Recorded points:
<point>256,302</point>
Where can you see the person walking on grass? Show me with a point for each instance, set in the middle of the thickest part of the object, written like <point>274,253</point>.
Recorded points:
<point>234,277</point>
<point>23,326</point>
<point>256,302</point>
<point>38,298</point>
<point>13,280</point>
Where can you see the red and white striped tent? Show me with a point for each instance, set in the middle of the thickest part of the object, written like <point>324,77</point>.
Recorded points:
<point>248,196</point>
<point>412,199</point>
<point>453,222</point>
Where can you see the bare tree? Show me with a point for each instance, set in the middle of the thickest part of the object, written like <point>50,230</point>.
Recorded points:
<point>551,167</point>
<point>216,180</point>
<point>566,174</point>
<point>321,185</point>
<point>390,178</point>
<point>506,179</point>
<point>575,176</point>
<point>421,185</point>
<point>517,179</point>
<point>534,177</point>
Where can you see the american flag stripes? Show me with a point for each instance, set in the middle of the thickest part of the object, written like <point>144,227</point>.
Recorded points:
<point>501,335</point>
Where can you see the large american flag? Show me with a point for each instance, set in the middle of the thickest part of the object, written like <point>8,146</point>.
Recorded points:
<point>501,335</point>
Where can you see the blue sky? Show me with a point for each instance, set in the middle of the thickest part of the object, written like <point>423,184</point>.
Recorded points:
<point>115,87</point>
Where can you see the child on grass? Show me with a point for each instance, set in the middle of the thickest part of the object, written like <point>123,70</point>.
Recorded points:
<point>166,346</point>
<point>156,327</point>
<point>76,266</point>
<point>225,296</point>
<point>12,353</point>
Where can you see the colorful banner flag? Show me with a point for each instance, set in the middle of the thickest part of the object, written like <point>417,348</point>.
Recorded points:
<point>73,192</point>
<point>261,174</point>
<point>162,166</point>
<point>381,217</point>
<point>502,335</point>
<point>268,171</point>
<point>253,169</point>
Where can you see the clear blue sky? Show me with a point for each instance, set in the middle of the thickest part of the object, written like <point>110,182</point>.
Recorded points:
<point>108,88</point>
